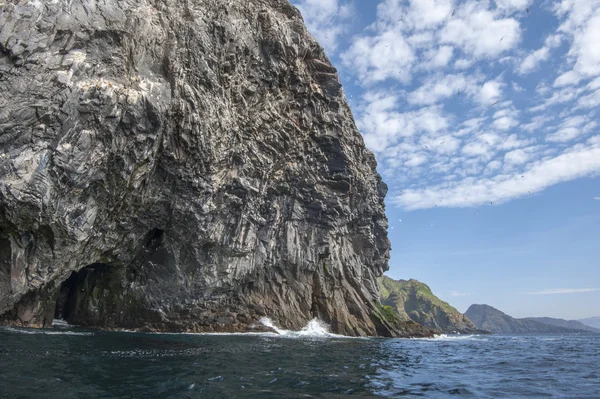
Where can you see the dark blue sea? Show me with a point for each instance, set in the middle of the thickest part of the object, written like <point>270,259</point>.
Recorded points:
<point>67,362</point>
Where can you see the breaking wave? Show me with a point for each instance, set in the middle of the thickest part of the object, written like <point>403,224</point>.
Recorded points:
<point>452,337</point>
<point>314,329</point>
<point>60,323</point>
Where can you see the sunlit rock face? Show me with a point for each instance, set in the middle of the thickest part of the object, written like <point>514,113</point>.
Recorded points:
<point>183,166</point>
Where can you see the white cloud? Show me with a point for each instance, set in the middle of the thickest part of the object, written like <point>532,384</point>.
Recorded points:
<point>419,15</point>
<point>532,60</point>
<point>567,79</point>
<point>581,22</point>
<point>381,57</point>
<point>517,88</point>
<point>512,5</point>
<point>382,125</point>
<point>560,291</point>
<point>597,198</point>
<point>575,162</point>
<point>564,134</point>
<point>519,156</point>
<point>585,48</point>
<point>530,63</point>
<point>505,123</point>
<point>513,141</point>
<point>437,58</point>
<point>442,87</point>
<point>480,32</point>
<point>594,84</point>
<point>463,63</point>
<point>416,160</point>
<point>326,20</point>
<point>459,294</point>
<point>572,128</point>
<point>493,166</point>
<point>490,92</point>
<point>553,41</point>
<point>421,39</point>
<point>453,110</point>
<point>590,101</point>
<point>536,123</point>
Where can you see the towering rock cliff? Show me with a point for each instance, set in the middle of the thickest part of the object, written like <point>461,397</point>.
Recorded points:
<point>414,300</point>
<point>182,165</point>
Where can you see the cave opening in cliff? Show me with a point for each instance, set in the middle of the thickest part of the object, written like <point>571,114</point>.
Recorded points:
<point>77,287</point>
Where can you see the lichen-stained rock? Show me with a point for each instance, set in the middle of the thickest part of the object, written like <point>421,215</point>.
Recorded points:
<point>183,165</point>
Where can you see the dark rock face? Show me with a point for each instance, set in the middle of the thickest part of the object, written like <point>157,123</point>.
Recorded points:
<point>414,300</point>
<point>183,166</point>
<point>489,318</point>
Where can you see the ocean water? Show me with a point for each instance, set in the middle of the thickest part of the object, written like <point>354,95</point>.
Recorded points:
<point>67,362</point>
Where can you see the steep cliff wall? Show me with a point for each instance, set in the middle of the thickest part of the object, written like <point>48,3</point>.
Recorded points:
<point>182,165</point>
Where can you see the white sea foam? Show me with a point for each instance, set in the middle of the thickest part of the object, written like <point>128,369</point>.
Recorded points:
<point>218,334</point>
<point>446,337</point>
<point>314,329</point>
<point>31,331</point>
<point>60,323</point>
<point>67,333</point>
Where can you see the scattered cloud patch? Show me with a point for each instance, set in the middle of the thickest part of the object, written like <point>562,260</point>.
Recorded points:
<point>531,62</point>
<point>513,5</point>
<point>477,190</point>
<point>385,56</point>
<point>462,109</point>
<point>326,20</point>
<point>490,92</point>
<point>460,294</point>
<point>571,128</point>
<point>480,32</point>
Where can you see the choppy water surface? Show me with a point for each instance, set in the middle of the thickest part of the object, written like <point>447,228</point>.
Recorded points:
<point>72,363</point>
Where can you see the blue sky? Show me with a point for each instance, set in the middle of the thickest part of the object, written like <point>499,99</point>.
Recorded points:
<point>484,119</point>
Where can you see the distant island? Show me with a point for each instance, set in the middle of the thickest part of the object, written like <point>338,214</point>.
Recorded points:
<point>591,322</point>
<point>489,318</point>
<point>415,300</point>
<point>572,324</point>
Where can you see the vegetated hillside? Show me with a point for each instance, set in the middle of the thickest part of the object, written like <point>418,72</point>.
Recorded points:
<point>413,299</point>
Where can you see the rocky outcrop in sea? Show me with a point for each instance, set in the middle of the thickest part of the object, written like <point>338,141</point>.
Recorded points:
<point>182,166</point>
